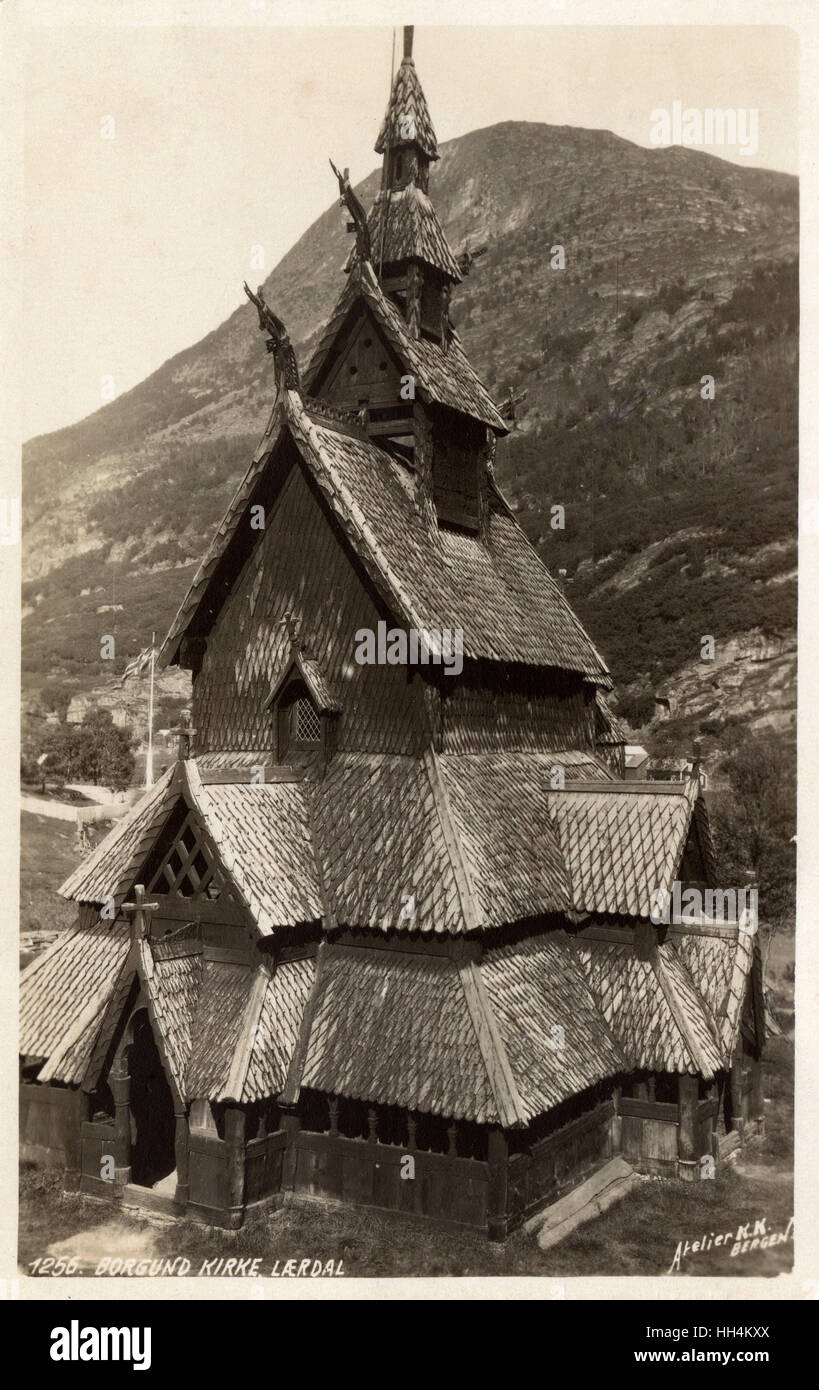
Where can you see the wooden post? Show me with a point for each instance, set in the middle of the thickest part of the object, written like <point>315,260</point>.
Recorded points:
<point>452,1140</point>
<point>498,1163</point>
<point>235,1140</point>
<point>73,1142</point>
<point>616,1123</point>
<point>120,1083</point>
<point>181,1152</point>
<point>737,1092</point>
<point>291,1124</point>
<point>688,1158</point>
<point>758,1094</point>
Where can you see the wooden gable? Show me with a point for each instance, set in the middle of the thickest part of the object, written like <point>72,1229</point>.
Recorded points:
<point>183,865</point>
<point>365,375</point>
<point>301,565</point>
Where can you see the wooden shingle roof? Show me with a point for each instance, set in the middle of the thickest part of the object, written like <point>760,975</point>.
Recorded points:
<point>622,841</point>
<point>499,594</point>
<point>404,226</point>
<point>407,102</point>
<point>57,987</point>
<point>652,1007</point>
<point>261,832</point>
<point>473,840</point>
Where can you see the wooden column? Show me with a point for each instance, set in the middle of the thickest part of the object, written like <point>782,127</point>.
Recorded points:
<point>737,1092</point>
<point>688,1161</point>
<point>291,1124</point>
<point>616,1123</point>
<point>73,1142</point>
<point>758,1094</point>
<point>181,1152</point>
<point>235,1140</point>
<point>120,1083</point>
<point>498,1156</point>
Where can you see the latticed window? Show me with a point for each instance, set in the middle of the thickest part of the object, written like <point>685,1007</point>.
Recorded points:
<point>300,723</point>
<point>306,721</point>
<point>181,865</point>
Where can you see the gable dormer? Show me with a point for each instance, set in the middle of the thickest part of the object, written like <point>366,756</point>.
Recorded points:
<point>303,709</point>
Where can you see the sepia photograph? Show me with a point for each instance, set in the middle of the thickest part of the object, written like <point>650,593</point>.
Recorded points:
<point>408,650</point>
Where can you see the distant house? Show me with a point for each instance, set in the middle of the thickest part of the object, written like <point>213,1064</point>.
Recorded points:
<point>78,707</point>
<point>636,760</point>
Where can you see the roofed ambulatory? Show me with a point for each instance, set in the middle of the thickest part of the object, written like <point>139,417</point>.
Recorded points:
<point>382,911</point>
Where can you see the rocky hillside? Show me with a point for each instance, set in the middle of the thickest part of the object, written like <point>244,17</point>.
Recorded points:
<point>679,511</point>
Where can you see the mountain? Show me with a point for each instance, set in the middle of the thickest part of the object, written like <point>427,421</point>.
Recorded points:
<point>678,513</point>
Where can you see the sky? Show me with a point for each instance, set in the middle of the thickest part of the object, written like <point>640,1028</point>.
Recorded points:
<point>136,246</point>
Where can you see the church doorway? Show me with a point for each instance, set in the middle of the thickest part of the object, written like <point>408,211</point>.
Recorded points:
<point>152,1113</point>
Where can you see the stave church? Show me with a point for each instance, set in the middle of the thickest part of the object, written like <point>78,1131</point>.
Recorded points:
<point>383,934</point>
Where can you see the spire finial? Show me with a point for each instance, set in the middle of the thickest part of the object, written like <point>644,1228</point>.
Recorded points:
<point>409,30</point>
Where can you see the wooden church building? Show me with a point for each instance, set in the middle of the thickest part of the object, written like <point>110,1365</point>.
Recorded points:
<point>385,909</point>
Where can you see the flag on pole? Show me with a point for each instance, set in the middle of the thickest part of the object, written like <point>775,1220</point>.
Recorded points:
<point>139,665</point>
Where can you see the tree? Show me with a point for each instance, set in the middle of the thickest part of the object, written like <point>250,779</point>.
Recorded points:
<point>95,751</point>
<point>56,696</point>
<point>755,823</point>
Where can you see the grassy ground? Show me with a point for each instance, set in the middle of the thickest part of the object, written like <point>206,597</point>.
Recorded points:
<point>48,854</point>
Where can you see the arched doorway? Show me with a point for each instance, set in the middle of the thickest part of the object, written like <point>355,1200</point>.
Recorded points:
<point>152,1112</point>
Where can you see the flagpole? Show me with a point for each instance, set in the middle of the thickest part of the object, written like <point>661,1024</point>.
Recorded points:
<point>149,760</point>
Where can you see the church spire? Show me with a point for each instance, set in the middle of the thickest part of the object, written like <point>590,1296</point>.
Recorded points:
<point>411,254</point>
<point>407,136</point>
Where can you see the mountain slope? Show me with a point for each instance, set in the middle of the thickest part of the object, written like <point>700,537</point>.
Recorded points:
<point>679,512</point>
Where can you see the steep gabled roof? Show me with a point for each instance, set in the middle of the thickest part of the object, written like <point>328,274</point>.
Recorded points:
<point>261,833</point>
<point>311,672</point>
<point>499,594</point>
<point>407,103</point>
